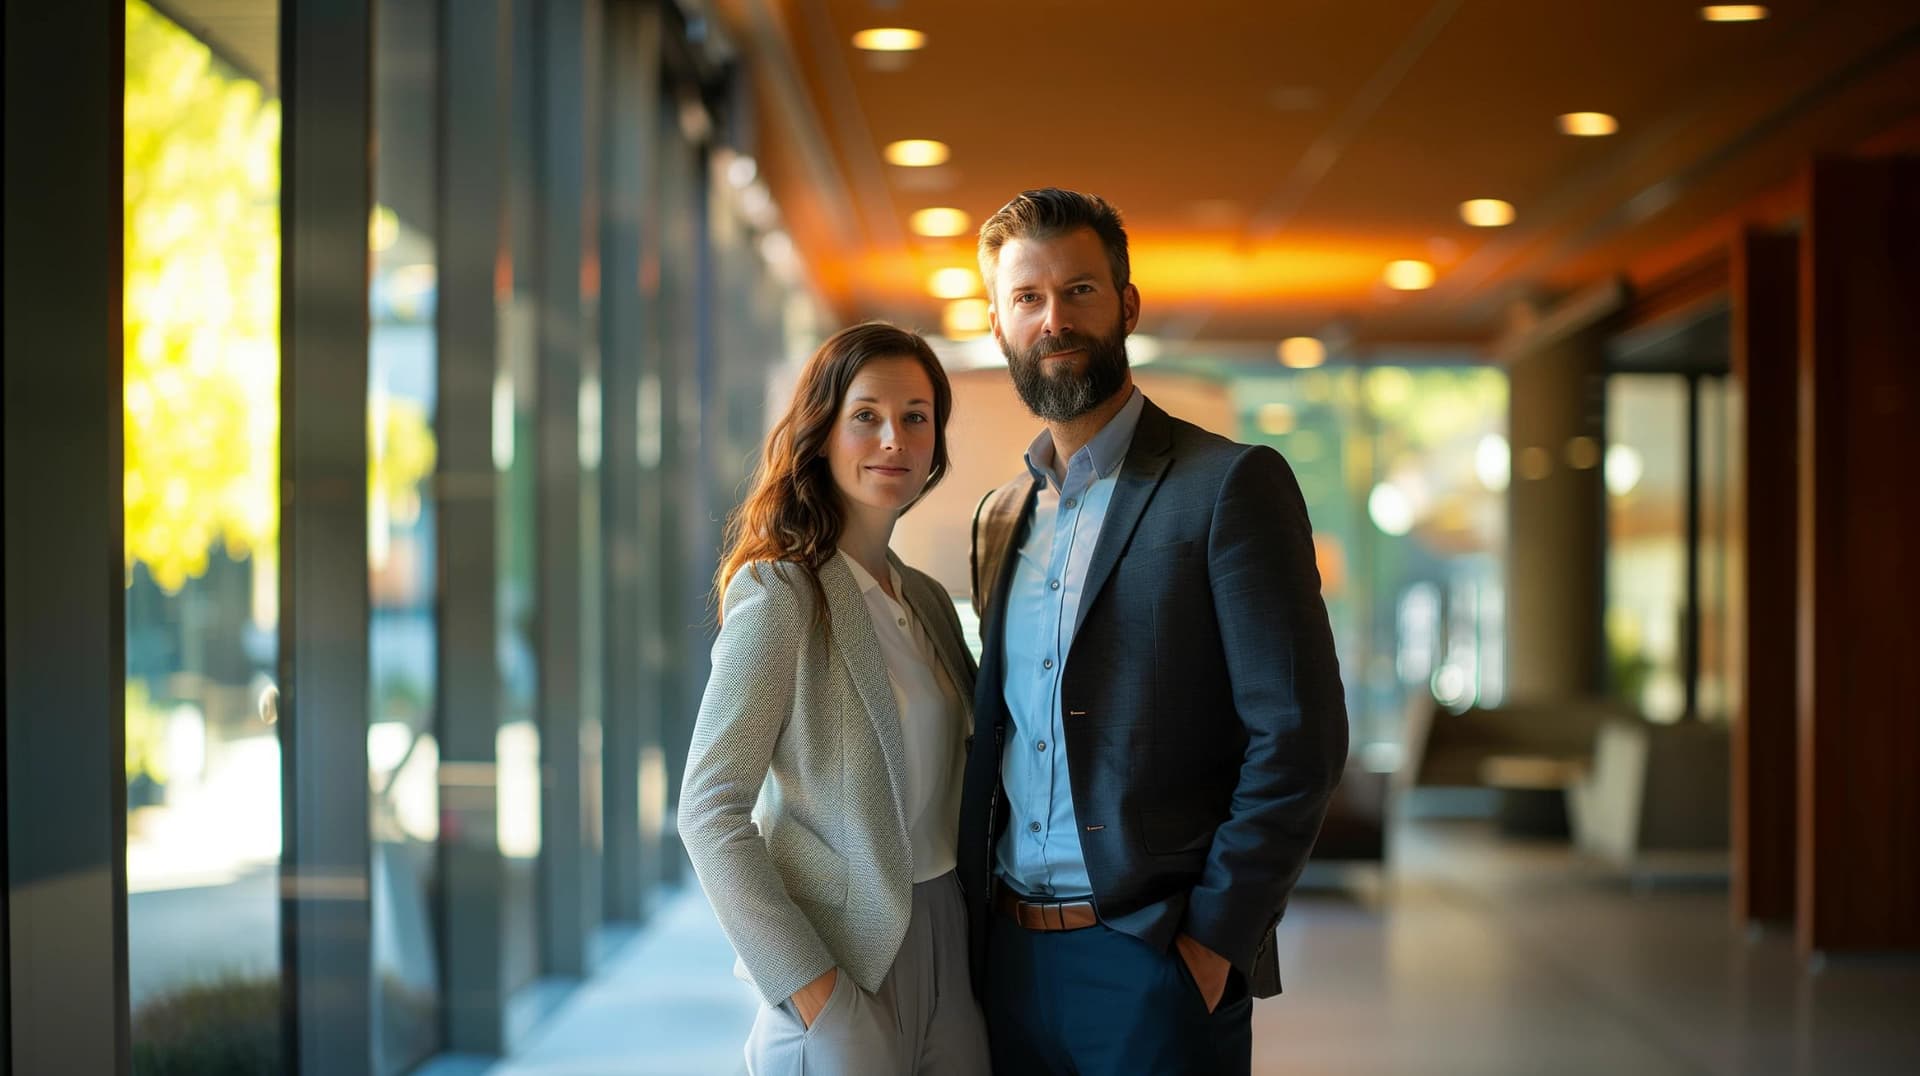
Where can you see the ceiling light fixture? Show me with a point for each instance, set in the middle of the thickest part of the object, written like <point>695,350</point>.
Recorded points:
<point>964,318</point>
<point>940,222</point>
<point>890,39</point>
<point>1487,213</point>
<point>954,283</point>
<point>1409,274</point>
<point>1587,124</point>
<point>917,153</point>
<point>1302,352</point>
<point>1734,12</point>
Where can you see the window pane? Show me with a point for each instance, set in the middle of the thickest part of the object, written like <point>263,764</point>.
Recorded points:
<point>1646,477</point>
<point>202,382</point>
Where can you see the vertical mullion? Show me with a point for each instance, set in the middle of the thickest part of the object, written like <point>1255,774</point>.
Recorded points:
<point>631,94</point>
<point>559,190</point>
<point>471,198</point>
<point>65,780</point>
<point>326,69</point>
<point>1690,612</point>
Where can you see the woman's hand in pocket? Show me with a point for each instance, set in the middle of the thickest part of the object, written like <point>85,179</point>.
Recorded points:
<point>811,998</point>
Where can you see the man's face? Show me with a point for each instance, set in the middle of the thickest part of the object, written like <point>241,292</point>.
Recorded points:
<point>1061,323</point>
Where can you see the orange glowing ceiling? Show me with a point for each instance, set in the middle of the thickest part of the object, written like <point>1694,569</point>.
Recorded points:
<point>1272,158</point>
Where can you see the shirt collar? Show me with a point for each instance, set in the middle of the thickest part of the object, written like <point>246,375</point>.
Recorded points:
<point>868,584</point>
<point>1106,451</point>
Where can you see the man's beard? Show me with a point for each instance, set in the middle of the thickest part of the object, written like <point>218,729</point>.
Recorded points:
<point>1066,395</point>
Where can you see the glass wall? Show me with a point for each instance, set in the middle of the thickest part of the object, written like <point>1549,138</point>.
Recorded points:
<point>1672,470</point>
<point>704,314</point>
<point>202,382</point>
<point>1404,474</point>
<point>403,753</point>
<point>1646,479</point>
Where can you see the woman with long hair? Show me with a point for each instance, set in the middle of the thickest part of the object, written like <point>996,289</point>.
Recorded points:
<point>822,789</point>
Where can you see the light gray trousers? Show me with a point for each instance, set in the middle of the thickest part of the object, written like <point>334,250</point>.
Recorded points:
<point>922,1021</point>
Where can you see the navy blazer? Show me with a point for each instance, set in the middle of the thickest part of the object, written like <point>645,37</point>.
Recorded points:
<point>1204,717</point>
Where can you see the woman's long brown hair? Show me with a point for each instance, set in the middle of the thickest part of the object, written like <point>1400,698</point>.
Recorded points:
<point>794,512</point>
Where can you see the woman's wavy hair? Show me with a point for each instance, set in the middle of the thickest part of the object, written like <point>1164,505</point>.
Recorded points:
<point>794,512</point>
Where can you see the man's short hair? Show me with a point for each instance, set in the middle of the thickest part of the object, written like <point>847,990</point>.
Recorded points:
<point>1049,213</point>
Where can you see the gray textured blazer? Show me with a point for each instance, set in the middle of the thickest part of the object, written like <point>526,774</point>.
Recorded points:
<point>791,808</point>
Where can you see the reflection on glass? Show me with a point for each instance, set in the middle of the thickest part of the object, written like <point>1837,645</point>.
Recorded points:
<point>1646,476</point>
<point>403,754</point>
<point>202,380</point>
<point>1722,552</point>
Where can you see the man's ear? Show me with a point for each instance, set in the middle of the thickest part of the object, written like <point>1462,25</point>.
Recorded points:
<point>993,321</point>
<point>1130,306</point>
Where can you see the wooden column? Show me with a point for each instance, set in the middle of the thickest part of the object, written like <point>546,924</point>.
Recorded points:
<point>1859,631</point>
<point>1765,290</point>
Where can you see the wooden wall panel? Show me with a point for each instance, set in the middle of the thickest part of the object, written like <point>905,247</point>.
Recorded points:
<point>1765,291</point>
<point>1859,629</point>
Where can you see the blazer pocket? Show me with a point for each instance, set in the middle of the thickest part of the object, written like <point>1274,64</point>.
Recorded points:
<point>808,867</point>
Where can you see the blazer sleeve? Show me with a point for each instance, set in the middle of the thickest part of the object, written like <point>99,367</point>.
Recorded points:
<point>1286,689</point>
<point>748,700</point>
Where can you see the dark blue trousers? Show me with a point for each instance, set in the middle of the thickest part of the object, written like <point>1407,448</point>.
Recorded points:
<point>1094,1002</point>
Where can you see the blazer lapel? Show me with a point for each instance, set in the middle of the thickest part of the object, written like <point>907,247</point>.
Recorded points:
<point>860,650</point>
<point>952,649</point>
<point>1139,477</point>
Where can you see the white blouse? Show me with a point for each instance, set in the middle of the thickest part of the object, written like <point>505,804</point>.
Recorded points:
<point>932,725</point>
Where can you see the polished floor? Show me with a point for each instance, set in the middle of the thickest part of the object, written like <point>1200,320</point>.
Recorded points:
<point>1473,955</point>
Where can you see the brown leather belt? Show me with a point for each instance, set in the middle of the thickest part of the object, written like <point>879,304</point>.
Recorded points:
<point>1044,915</point>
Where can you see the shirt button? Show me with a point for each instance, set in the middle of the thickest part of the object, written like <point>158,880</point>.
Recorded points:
<point>1041,746</point>
<point>1047,663</point>
<point>1033,827</point>
<point>1055,585</point>
<point>1070,502</point>
<point>902,621</point>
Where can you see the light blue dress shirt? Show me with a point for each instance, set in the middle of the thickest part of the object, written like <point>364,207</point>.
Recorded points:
<point>1040,852</point>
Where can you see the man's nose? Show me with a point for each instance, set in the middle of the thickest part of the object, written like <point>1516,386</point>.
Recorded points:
<point>1056,321</point>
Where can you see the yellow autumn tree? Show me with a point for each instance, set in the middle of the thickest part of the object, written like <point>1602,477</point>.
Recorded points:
<point>202,309</point>
<point>202,305</point>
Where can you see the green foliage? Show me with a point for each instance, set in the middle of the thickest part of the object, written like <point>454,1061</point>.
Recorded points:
<point>228,1027</point>
<point>146,734</point>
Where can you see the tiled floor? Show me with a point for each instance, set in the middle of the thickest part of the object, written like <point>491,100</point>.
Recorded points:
<point>1473,956</point>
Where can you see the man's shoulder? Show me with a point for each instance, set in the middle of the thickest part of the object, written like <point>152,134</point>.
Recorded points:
<point>1193,445</point>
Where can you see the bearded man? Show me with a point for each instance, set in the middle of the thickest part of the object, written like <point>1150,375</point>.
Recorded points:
<point>1159,716</point>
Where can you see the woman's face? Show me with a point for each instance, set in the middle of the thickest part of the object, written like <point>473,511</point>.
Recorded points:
<point>881,447</point>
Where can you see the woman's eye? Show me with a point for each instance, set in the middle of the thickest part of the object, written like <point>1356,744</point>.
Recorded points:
<point>863,416</point>
<point>916,416</point>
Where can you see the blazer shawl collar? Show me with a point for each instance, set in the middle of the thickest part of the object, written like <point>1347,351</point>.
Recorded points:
<point>933,619</point>
<point>853,637</point>
<point>1139,477</point>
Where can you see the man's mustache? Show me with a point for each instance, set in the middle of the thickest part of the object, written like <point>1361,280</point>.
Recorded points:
<point>1053,345</point>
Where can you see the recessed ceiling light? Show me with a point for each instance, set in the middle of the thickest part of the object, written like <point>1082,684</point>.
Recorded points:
<point>954,284</point>
<point>940,222</point>
<point>917,153</point>
<point>964,318</point>
<point>1588,124</point>
<point>889,39</point>
<point>1409,274</point>
<point>1487,213</point>
<point>1302,352</point>
<point>1734,12</point>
